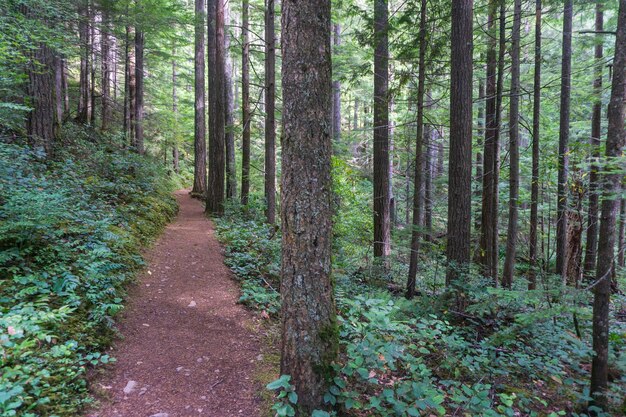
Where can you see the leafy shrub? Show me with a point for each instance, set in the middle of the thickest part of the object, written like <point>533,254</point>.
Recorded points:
<point>71,231</point>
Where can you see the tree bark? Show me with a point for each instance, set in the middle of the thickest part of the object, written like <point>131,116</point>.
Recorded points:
<point>419,157</point>
<point>40,123</point>
<point>105,51</point>
<point>564,125</point>
<point>534,185</point>
<point>129,89</point>
<point>175,153</point>
<point>58,93</point>
<point>336,88</point>
<point>596,132</point>
<point>479,157</point>
<point>199,141</point>
<point>139,73</point>
<point>621,236</point>
<point>309,328</point>
<point>92,63</point>
<point>489,208</point>
<point>511,240</point>
<point>83,83</point>
<point>270,123</point>
<point>215,194</point>
<point>382,231</point>
<point>460,169</point>
<point>611,187</point>
<point>229,108</point>
<point>245,103</point>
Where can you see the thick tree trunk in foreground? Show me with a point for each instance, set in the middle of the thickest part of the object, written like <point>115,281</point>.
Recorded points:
<point>270,122</point>
<point>596,132</point>
<point>310,333</point>
<point>382,213</point>
<point>215,194</point>
<point>534,185</point>
<point>199,141</point>
<point>460,169</point>
<point>611,187</point>
<point>229,108</point>
<point>245,103</point>
<point>139,47</point>
<point>419,158</point>
<point>511,240</point>
<point>564,123</point>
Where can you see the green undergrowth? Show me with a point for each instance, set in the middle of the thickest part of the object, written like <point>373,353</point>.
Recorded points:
<point>511,353</point>
<point>71,232</point>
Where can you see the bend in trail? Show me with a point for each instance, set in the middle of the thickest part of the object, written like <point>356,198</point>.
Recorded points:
<point>188,349</point>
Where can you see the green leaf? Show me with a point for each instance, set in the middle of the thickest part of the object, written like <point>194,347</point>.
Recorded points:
<point>282,382</point>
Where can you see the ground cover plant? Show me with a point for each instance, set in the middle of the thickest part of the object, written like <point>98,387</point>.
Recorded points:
<point>511,352</point>
<point>71,233</point>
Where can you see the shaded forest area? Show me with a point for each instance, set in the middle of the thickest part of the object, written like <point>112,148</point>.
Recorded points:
<point>425,199</point>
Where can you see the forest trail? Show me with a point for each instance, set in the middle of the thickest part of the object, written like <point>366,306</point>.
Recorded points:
<point>188,349</point>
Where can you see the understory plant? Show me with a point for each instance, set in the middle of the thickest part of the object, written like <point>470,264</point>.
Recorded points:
<point>511,352</point>
<point>71,230</point>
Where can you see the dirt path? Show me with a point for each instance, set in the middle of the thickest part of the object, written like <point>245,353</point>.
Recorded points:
<point>188,348</point>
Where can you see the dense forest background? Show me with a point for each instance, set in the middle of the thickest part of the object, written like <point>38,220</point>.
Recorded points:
<point>478,212</point>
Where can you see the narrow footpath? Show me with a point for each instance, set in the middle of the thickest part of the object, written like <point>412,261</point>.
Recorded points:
<point>187,349</point>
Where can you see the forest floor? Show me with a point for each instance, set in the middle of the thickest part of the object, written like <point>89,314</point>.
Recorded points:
<point>187,347</point>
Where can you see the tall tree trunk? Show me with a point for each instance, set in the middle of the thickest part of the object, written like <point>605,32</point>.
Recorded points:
<point>534,185</point>
<point>132,91</point>
<point>229,108</point>
<point>310,332</point>
<point>382,230</point>
<point>336,88</point>
<point>596,131</point>
<point>245,103</point>
<point>58,93</point>
<point>355,121</point>
<point>40,123</point>
<point>564,123</point>
<point>199,141</point>
<point>139,73</point>
<point>83,83</point>
<point>428,182</point>
<point>270,123</point>
<point>105,50</point>
<point>479,156</point>
<point>66,91</point>
<point>460,169</point>
<point>127,96</point>
<point>621,237</point>
<point>211,90</point>
<point>419,157</point>
<point>175,153</point>
<point>611,187</point>
<point>92,64</point>
<point>495,251</point>
<point>489,209</point>
<point>215,194</point>
<point>511,240</point>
